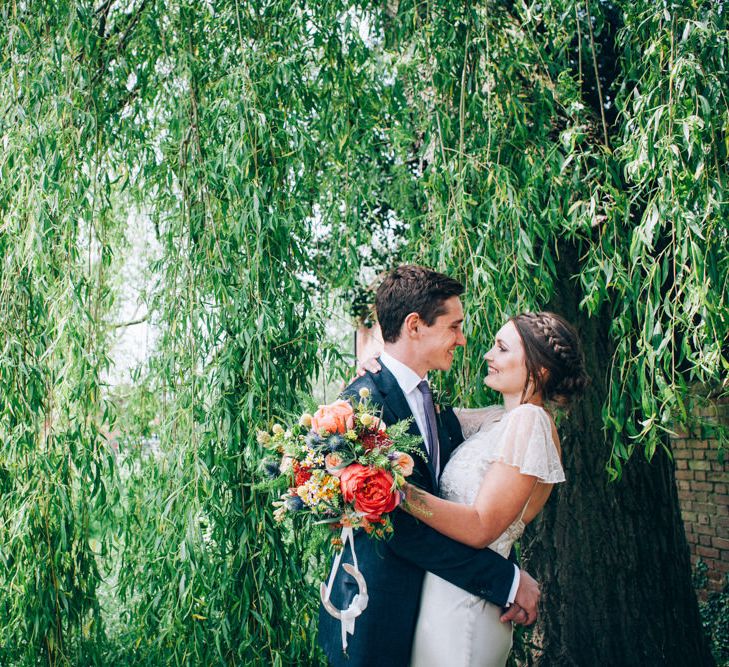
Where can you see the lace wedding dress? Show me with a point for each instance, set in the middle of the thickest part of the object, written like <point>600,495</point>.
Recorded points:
<point>456,628</point>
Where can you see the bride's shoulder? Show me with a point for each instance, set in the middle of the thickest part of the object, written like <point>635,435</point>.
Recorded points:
<point>528,411</point>
<point>473,420</point>
<point>479,415</point>
<point>528,417</point>
<point>531,422</point>
<point>487,409</point>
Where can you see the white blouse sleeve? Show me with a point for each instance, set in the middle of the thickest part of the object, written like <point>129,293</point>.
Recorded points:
<point>527,443</point>
<point>472,419</point>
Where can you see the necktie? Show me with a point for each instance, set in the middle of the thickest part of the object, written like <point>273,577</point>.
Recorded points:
<point>431,426</point>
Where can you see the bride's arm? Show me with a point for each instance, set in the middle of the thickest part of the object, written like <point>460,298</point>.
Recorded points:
<point>501,498</point>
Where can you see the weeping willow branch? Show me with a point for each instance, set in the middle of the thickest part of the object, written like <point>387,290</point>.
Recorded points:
<point>596,70</point>
<point>130,323</point>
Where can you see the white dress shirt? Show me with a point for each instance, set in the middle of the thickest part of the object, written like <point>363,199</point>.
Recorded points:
<point>408,380</point>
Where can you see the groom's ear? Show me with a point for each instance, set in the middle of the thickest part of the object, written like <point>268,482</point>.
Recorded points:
<point>411,324</point>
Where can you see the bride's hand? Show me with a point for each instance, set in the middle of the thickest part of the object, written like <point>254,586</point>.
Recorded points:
<point>370,364</point>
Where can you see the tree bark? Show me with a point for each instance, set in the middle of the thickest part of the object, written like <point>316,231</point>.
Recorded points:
<point>616,546</point>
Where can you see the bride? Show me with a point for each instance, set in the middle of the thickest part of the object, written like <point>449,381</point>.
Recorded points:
<point>496,482</point>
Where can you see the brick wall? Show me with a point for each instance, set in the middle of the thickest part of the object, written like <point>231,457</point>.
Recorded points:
<point>703,491</point>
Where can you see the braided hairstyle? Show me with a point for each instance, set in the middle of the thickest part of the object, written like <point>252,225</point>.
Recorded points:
<point>552,343</point>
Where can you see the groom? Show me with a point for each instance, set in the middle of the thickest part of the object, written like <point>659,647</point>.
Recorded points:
<point>421,315</point>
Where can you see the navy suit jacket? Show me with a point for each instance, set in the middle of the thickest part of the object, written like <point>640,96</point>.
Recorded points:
<point>394,568</point>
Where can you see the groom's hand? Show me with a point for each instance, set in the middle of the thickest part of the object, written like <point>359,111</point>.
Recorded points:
<point>524,609</point>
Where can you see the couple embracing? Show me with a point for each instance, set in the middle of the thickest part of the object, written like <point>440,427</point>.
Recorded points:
<point>445,589</point>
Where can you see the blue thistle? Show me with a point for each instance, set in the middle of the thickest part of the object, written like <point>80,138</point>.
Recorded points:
<point>335,443</point>
<point>294,503</point>
<point>313,440</point>
<point>270,468</point>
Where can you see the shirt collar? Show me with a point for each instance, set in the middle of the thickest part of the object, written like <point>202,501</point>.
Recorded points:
<point>406,377</point>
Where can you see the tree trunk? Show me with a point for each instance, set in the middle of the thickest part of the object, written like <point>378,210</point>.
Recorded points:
<point>611,546</point>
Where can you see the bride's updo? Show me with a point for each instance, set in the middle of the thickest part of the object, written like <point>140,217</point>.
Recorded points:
<point>552,343</point>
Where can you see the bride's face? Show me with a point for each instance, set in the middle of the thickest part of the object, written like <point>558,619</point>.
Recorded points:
<point>507,364</point>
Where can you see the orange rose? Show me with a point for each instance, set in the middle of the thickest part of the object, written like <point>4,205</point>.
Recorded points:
<point>404,462</point>
<point>334,464</point>
<point>334,418</point>
<point>370,489</point>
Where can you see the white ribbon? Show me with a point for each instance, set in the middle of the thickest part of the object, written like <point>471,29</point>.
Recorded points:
<point>359,602</point>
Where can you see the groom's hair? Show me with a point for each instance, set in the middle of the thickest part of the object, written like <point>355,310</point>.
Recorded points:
<point>412,289</point>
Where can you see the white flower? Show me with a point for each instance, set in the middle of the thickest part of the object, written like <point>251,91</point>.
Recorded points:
<point>280,514</point>
<point>285,465</point>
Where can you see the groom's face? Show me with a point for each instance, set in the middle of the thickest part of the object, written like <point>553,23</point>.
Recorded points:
<point>436,343</point>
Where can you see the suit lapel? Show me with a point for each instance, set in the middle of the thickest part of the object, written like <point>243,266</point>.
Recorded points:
<point>444,439</point>
<point>393,396</point>
<point>395,400</point>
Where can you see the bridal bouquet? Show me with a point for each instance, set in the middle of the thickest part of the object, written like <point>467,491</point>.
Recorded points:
<point>342,466</point>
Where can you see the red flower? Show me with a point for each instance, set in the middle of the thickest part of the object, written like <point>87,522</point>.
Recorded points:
<point>370,489</point>
<point>374,438</point>
<point>301,474</point>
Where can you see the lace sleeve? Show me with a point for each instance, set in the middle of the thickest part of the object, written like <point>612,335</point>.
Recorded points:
<point>527,443</point>
<point>473,419</point>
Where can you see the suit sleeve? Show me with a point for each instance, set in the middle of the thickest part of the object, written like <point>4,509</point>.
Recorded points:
<point>481,572</point>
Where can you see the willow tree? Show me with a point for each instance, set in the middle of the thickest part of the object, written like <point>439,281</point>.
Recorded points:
<point>567,154</point>
<point>172,110</point>
<point>571,155</point>
<point>57,234</point>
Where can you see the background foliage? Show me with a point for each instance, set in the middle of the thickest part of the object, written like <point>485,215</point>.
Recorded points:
<point>283,152</point>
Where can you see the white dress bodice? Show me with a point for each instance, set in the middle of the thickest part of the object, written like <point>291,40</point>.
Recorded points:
<point>521,437</point>
<point>454,627</point>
